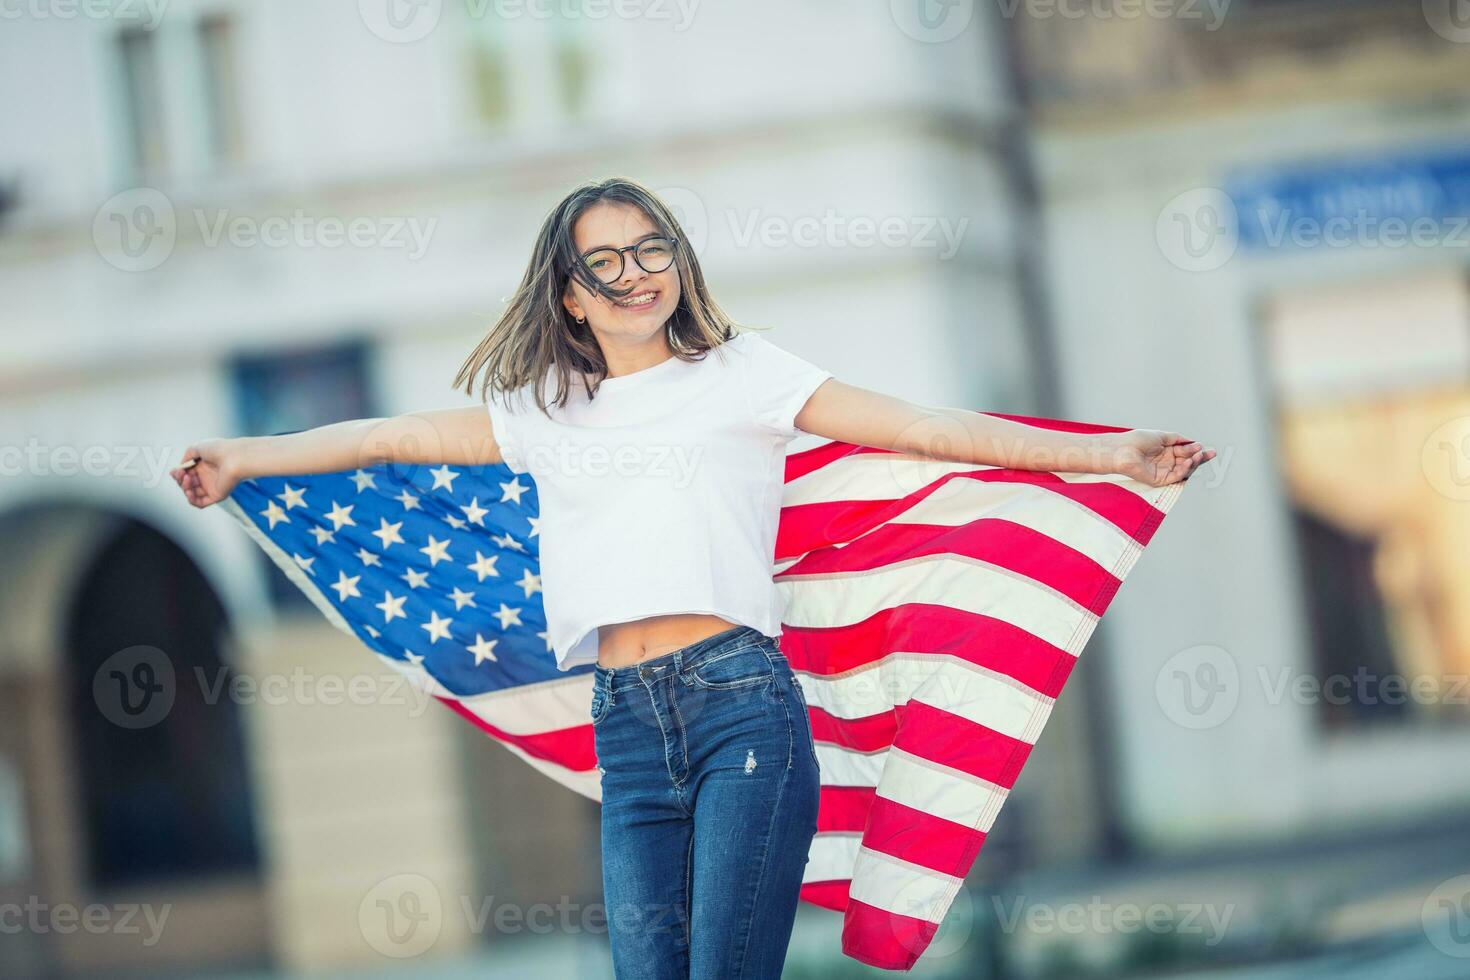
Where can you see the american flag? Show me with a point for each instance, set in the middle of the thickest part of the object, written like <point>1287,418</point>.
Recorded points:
<point>936,610</point>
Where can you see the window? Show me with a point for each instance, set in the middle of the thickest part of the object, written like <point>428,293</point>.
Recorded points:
<point>291,391</point>
<point>143,100</point>
<point>490,72</point>
<point>179,98</point>
<point>219,89</point>
<point>533,69</point>
<point>570,58</point>
<point>1371,378</point>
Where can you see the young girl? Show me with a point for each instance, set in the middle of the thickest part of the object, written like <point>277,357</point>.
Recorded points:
<point>656,433</point>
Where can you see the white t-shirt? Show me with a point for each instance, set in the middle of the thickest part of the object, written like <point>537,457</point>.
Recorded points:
<point>661,494</point>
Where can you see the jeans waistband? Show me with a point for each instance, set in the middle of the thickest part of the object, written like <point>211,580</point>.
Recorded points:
<point>677,660</point>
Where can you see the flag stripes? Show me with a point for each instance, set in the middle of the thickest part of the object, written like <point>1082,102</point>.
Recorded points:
<point>935,611</point>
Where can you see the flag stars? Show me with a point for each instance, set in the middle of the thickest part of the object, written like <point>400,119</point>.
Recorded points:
<point>437,626</point>
<point>443,477</point>
<point>363,479</point>
<point>484,565</point>
<point>454,522</point>
<point>340,515</point>
<point>473,512</point>
<point>535,523</point>
<point>388,533</point>
<point>323,536</point>
<point>305,563</point>
<point>513,490</point>
<point>416,659</point>
<point>275,515</point>
<point>293,496</point>
<point>392,607</point>
<point>416,580</point>
<point>508,617</point>
<point>506,541</point>
<point>367,557</point>
<point>461,598</point>
<point>346,587</point>
<point>529,583</point>
<point>436,550</point>
<point>483,649</point>
<point>408,500</point>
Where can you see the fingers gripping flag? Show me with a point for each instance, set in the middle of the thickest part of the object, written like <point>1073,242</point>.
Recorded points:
<point>935,612</point>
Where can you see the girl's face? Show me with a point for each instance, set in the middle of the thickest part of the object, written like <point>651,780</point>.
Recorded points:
<point>618,225</point>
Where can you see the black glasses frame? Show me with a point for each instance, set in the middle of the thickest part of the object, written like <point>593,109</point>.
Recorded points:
<point>623,258</point>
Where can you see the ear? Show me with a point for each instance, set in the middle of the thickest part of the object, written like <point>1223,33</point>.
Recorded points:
<point>569,300</point>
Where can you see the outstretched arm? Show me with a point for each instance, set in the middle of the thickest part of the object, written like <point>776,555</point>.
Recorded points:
<point>864,417</point>
<point>211,468</point>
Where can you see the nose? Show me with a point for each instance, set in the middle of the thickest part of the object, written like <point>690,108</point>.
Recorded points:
<point>632,273</point>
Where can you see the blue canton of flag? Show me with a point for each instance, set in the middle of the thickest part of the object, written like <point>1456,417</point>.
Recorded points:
<point>435,568</point>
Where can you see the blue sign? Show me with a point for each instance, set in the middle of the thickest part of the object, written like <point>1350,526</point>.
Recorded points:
<point>1421,200</point>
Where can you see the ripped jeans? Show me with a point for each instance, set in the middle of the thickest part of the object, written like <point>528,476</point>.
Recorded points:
<point>709,807</point>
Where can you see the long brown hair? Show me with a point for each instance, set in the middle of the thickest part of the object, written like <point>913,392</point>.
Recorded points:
<point>537,333</point>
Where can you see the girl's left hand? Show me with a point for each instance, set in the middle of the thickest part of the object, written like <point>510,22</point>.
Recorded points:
<point>1158,458</point>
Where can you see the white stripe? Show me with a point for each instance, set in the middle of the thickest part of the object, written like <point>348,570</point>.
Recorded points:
<point>947,682</point>
<point>897,886</point>
<point>846,598</point>
<point>889,476</point>
<point>831,856</point>
<point>941,791</point>
<point>961,502</point>
<point>546,706</point>
<point>841,766</point>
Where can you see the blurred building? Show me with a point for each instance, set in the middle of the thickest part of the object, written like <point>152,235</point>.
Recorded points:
<point>256,218</point>
<point>1261,218</point>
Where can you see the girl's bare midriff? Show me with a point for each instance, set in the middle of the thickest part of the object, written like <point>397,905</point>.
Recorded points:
<point>621,644</point>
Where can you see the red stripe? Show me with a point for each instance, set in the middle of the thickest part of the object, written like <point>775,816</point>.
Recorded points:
<point>995,541</point>
<point>884,939</point>
<point>844,809</point>
<point>937,735</point>
<point>570,747</point>
<point>921,838</point>
<point>827,894</point>
<point>917,627</point>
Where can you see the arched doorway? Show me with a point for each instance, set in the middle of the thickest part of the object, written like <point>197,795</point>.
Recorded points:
<point>134,775</point>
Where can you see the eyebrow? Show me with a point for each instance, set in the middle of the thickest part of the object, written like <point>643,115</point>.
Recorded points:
<point>640,238</point>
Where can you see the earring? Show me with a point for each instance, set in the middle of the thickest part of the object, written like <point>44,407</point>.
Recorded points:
<point>581,319</point>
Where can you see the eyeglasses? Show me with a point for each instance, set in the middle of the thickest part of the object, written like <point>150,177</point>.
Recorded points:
<point>651,254</point>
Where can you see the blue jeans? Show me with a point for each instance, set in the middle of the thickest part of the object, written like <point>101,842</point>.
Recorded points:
<point>709,807</point>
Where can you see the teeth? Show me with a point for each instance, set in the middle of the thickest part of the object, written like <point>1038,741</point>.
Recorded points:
<point>642,299</point>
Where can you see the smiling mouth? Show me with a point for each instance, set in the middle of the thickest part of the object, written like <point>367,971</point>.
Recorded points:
<point>642,301</point>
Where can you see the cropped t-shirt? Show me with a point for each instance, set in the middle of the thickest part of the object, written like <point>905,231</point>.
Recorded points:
<point>661,493</point>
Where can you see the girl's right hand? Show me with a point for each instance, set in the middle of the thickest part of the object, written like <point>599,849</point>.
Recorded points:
<point>215,474</point>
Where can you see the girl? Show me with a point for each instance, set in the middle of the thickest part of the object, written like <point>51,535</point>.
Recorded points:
<point>656,432</point>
